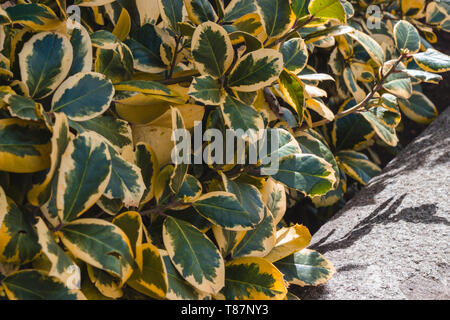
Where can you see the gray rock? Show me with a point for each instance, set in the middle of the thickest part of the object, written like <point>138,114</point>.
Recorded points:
<point>391,241</point>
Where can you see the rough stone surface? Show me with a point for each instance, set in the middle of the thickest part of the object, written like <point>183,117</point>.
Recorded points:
<point>392,241</point>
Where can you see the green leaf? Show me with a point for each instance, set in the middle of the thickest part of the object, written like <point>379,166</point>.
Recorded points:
<point>259,241</point>
<point>370,46</point>
<point>62,267</point>
<point>190,190</point>
<point>148,163</point>
<point>178,288</point>
<point>100,244</point>
<point>108,285</point>
<point>111,207</point>
<point>286,145</point>
<point>253,279</point>
<point>406,36</point>
<point>212,50</point>
<point>194,256</point>
<point>399,84</point>
<point>306,173</point>
<point>171,13</point>
<point>45,61</point>
<point>130,223</point>
<point>126,181</point>
<point>151,277</point>
<point>433,61</point>
<point>300,7</point>
<point>226,239</point>
<point>350,81</point>
<point>22,107</point>
<point>277,17</point>
<point>252,43</point>
<point>295,55</point>
<point>312,145</point>
<point>104,39</point>
<point>83,176</point>
<point>225,210</point>
<point>36,16</point>
<point>274,197</point>
<point>351,131</point>
<point>386,133</point>
<point>19,241</point>
<point>330,9</point>
<point>306,268</point>
<point>357,166</point>
<point>82,50</point>
<point>145,44</point>
<point>248,196</point>
<point>200,11</point>
<point>423,76</point>
<point>322,34</point>
<point>24,146</point>
<point>293,91</point>
<point>256,70</point>
<point>207,90</point>
<point>116,64</point>
<point>238,8</point>
<point>419,108</point>
<point>180,170</point>
<point>37,285</point>
<point>147,87</point>
<point>83,96</point>
<point>238,115</point>
<point>116,131</point>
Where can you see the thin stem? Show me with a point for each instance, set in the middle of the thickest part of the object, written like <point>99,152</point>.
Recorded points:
<point>295,28</point>
<point>178,80</point>
<point>272,101</point>
<point>366,100</point>
<point>175,55</point>
<point>159,210</point>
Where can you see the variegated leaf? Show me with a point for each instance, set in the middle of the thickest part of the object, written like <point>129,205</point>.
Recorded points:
<point>240,116</point>
<point>151,278</point>
<point>256,70</point>
<point>18,239</point>
<point>306,268</point>
<point>178,288</point>
<point>38,17</point>
<point>24,146</point>
<point>41,192</point>
<point>225,210</point>
<point>194,256</point>
<point>45,61</point>
<point>28,285</point>
<point>100,244</point>
<point>277,16</point>
<point>357,165</point>
<point>83,96</point>
<point>295,55</point>
<point>289,240</point>
<point>62,267</point>
<point>83,175</point>
<point>419,108</point>
<point>253,279</point>
<point>212,50</point>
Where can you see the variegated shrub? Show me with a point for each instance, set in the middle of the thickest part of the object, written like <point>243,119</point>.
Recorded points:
<point>92,205</point>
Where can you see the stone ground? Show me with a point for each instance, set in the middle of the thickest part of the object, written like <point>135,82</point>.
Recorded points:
<point>392,241</point>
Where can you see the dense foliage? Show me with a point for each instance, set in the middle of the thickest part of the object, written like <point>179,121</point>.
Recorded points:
<point>92,204</point>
